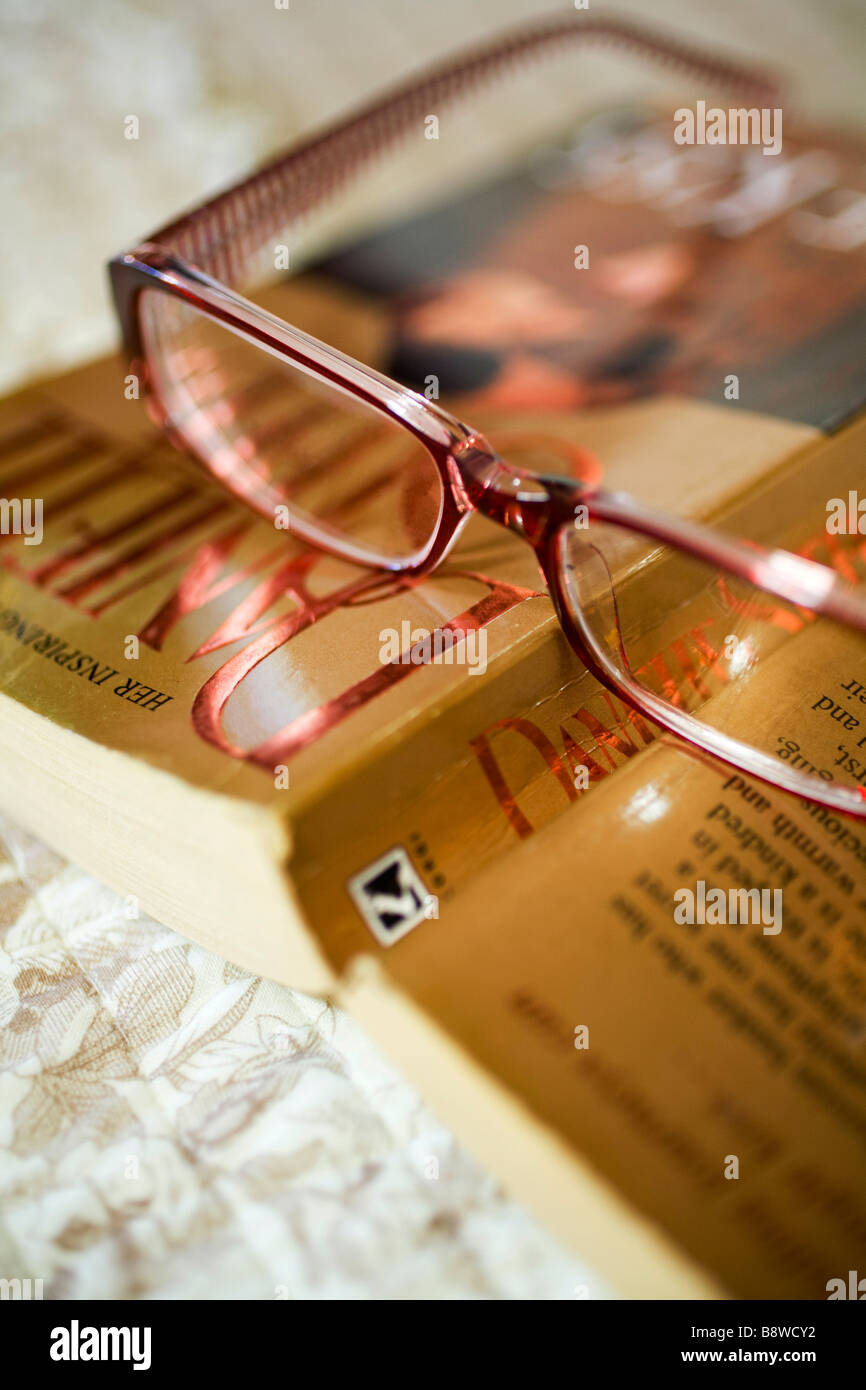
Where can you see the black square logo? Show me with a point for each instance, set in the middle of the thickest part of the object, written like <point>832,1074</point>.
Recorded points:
<point>391,896</point>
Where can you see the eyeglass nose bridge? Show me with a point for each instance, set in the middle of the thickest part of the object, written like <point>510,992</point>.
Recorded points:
<point>529,504</point>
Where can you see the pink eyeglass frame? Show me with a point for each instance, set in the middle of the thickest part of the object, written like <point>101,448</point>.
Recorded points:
<point>194,257</point>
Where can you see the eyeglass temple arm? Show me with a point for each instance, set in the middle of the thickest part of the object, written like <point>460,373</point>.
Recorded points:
<point>225,236</point>
<point>791,577</point>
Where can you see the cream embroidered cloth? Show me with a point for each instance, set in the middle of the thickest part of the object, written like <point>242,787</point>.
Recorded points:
<point>171,1127</point>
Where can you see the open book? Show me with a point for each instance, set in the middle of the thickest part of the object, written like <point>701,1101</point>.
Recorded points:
<point>278,755</point>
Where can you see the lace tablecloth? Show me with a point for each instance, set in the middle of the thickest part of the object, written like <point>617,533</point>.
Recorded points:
<point>171,1127</point>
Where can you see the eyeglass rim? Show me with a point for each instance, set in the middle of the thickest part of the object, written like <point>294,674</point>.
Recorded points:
<point>715,742</point>
<point>152,268</point>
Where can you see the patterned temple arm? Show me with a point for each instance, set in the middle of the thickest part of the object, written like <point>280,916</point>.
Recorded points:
<point>226,236</point>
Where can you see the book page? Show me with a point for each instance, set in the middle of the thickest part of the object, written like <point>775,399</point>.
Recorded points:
<point>713,1069</point>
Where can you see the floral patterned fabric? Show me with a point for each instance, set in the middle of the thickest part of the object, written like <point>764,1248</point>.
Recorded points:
<point>171,1127</point>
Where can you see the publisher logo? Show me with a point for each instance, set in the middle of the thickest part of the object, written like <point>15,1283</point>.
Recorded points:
<point>391,896</point>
